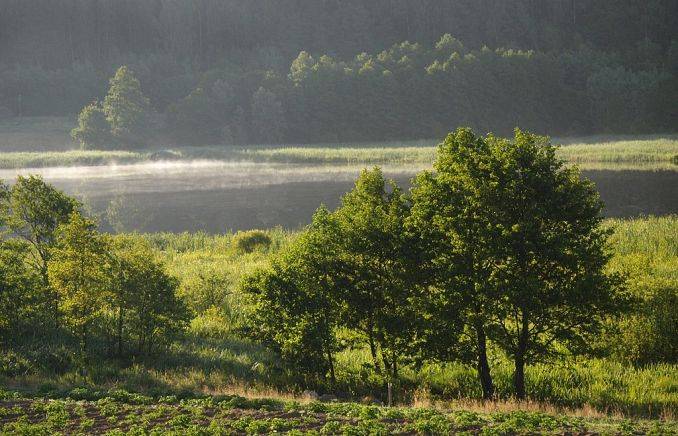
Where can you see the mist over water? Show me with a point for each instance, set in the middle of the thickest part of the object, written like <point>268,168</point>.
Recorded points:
<point>218,196</point>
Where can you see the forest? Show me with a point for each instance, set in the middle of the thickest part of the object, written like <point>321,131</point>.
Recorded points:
<point>217,71</point>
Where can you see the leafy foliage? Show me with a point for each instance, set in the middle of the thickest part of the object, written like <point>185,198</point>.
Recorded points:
<point>126,108</point>
<point>93,130</point>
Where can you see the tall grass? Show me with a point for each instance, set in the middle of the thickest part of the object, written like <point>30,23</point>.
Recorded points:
<point>45,141</point>
<point>25,159</point>
<point>637,151</point>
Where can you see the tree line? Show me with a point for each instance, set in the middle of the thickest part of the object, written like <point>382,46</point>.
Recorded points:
<point>62,279</point>
<point>407,91</point>
<point>500,244</point>
<point>215,72</point>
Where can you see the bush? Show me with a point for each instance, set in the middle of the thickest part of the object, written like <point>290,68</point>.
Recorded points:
<point>249,241</point>
<point>94,130</point>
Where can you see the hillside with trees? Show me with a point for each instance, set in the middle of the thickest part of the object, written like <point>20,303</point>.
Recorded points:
<point>215,72</point>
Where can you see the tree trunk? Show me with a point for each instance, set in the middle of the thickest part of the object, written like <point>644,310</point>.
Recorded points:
<point>330,361</point>
<point>519,377</point>
<point>120,318</point>
<point>519,373</point>
<point>373,350</point>
<point>483,365</point>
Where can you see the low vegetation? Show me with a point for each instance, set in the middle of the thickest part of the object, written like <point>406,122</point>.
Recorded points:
<point>83,411</point>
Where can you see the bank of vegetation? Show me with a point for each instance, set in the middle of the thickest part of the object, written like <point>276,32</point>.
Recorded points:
<point>463,288</point>
<point>653,152</point>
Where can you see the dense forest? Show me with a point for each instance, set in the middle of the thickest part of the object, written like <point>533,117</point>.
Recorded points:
<point>217,71</point>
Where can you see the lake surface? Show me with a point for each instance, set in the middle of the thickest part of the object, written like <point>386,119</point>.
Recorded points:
<point>219,196</point>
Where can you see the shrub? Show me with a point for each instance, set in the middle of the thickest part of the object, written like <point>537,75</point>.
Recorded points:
<point>93,130</point>
<point>251,240</point>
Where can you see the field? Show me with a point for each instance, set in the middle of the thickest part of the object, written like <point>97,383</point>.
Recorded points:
<point>83,411</point>
<point>44,141</point>
<point>215,359</point>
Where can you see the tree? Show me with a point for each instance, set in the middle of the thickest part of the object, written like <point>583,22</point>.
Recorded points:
<point>33,210</point>
<point>79,272</point>
<point>18,298</point>
<point>293,306</point>
<point>539,246</point>
<point>93,130</point>
<point>126,107</point>
<point>144,298</point>
<point>380,293</point>
<point>452,236</point>
<point>550,252</point>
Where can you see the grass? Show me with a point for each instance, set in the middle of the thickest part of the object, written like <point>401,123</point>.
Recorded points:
<point>44,141</point>
<point>88,411</point>
<point>25,159</point>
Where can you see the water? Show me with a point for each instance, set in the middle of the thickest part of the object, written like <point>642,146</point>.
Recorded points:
<point>220,196</point>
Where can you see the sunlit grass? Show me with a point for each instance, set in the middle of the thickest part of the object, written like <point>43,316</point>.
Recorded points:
<point>26,159</point>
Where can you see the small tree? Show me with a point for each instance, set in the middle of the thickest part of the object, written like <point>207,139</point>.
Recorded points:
<point>94,130</point>
<point>144,298</point>
<point>293,309</point>
<point>126,107</point>
<point>79,272</point>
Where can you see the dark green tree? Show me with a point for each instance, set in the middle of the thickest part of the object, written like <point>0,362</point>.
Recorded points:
<point>539,245</point>
<point>380,293</point>
<point>293,306</point>
<point>147,310</point>
<point>19,299</point>
<point>457,261</point>
<point>268,118</point>
<point>93,130</point>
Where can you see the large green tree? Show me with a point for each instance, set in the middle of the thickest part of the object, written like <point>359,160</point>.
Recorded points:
<point>529,229</point>
<point>454,239</point>
<point>294,309</point>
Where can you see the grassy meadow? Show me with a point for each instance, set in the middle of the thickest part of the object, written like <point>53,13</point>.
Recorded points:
<point>45,141</point>
<point>214,358</point>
